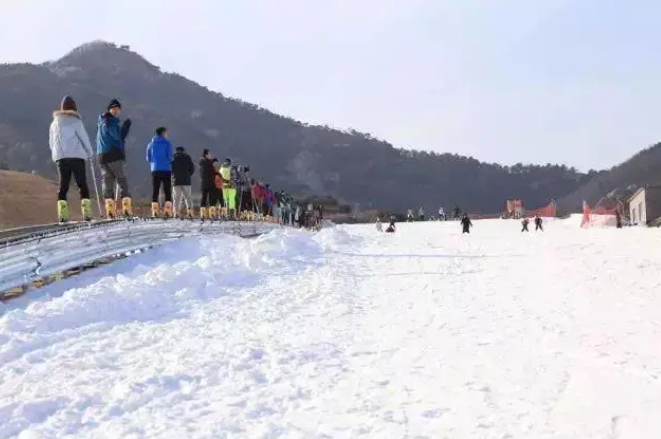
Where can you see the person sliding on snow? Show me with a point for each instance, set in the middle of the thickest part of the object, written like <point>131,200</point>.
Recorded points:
<point>159,156</point>
<point>391,228</point>
<point>466,224</point>
<point>524,223</point>
<point>110,140</point>
<point>538,223</point>
<point>70,147</point>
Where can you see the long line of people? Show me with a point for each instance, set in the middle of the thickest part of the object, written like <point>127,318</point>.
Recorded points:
<point>227,190</point>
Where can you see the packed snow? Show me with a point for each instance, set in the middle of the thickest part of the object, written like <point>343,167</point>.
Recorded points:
<point>347,333</point>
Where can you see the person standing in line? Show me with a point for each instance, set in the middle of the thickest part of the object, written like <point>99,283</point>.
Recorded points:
<point>466,224</point>
<point>110,139</point>
<point>70,148</point>
<point>257,197</point>
<point>228,175</point>
<point>159,156</point>
<point>182,173</point>
<point>207,185</point>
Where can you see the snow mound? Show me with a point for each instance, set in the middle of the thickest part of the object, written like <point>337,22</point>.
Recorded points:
<point>347,333</point>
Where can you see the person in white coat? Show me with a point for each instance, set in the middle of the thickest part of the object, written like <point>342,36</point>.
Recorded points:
<point>70,148</point>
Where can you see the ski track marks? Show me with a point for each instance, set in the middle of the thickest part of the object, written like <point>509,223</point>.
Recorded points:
<point>347,333</point>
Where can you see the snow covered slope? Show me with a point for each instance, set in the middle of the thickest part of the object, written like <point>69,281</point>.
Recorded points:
<point>348,334</point>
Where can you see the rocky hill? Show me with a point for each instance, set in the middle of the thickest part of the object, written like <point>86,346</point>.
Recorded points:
<point>350,166</point>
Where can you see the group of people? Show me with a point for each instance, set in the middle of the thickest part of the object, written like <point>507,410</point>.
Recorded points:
<point>466,224</point>
<point>538,224</point>
<point>226,189</point>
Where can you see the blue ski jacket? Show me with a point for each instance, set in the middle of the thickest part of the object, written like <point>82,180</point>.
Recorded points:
<point>109,141</point>
<point>159,154</point>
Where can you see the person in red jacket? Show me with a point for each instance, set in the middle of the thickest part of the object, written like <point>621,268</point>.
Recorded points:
<point>257,196</point>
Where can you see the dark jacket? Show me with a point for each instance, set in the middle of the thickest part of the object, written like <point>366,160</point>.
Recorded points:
<point>183,169</point>
<point>110,138</point>
<point>207,174</point>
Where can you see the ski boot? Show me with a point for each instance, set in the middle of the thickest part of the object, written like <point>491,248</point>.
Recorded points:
<point>86,209</point>
<point>167,211</point>
<point>154,210</point>
<point>62,211</point>
<point>127,207</point>
<point>111,212</point>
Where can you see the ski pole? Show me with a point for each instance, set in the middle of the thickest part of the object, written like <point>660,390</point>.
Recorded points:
<point>96,187</point>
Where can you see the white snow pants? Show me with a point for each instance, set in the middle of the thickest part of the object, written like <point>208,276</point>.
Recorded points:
<point>182,194</point>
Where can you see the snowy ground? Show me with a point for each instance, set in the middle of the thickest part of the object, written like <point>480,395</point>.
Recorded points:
<point>348,334</point>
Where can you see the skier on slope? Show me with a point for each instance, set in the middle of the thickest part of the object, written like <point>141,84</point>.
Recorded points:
<point>70,147</point>
<point>466,224</point>
<point>110,139</point>
<point>525,223</point>
<point>538,223</point>
<point>391,227</point>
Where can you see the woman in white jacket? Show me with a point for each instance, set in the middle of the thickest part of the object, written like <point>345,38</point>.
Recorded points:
<point>70,147</point>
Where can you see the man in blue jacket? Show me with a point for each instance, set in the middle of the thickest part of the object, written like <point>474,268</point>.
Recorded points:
<point>159,156</point>
<point>110,139</point>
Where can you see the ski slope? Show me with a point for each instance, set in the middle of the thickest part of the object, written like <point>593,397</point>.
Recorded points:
<point>347,333</point>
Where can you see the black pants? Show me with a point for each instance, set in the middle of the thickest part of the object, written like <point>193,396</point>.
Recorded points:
<point>539,227</point>
<point>158,179</point>
<point>246,201</point>
<point>76,167</point>
<point>525,228</point>
<point>209,197</point>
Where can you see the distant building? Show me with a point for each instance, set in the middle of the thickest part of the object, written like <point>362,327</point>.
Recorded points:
<point>645,205</point>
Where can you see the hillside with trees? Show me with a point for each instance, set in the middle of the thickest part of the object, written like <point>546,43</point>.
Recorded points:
<point>350,166</point>
<point>641,169</point>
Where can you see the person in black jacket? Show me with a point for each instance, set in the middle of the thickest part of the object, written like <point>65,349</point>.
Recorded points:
<point>466,224</point>
<point>538,223</point>
<point>182,172</point>
<point>525,223</point>
<point>208,185</point>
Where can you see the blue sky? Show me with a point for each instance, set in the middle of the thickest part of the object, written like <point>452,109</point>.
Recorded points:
<point>569,81</point>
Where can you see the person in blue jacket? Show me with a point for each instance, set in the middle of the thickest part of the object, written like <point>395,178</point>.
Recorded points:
<point>110,138</point>
<point>160,156</point>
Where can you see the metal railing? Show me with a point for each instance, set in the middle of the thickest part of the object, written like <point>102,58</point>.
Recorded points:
<point>27,259</point>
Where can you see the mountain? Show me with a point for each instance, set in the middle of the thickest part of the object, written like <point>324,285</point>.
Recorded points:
<point>641,169</point>
<point>351,166</point>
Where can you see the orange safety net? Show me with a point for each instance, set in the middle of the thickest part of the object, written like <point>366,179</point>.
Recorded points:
<point>548,211</point>
<point>601,214</point>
